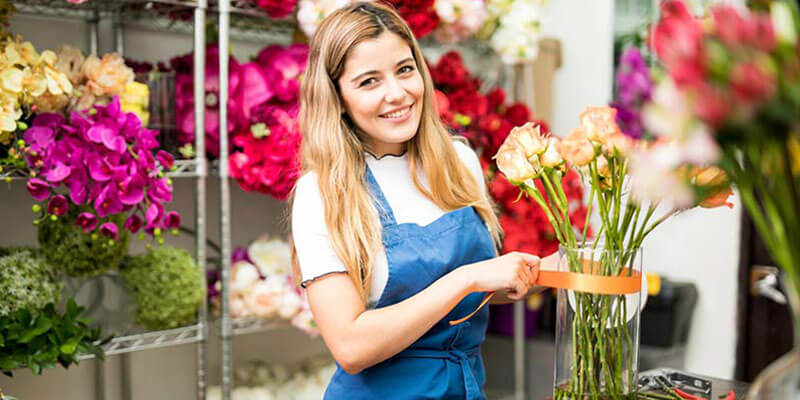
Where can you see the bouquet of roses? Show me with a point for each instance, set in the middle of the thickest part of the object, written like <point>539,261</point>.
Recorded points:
<point>601,356</point>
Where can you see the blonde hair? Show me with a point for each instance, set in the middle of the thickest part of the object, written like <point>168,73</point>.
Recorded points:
<point>331,147</point>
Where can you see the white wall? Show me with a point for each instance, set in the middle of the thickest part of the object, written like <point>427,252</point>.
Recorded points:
<point>700,246</point>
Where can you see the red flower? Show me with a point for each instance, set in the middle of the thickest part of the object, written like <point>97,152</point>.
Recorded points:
<point>518,114</point>
<point>674,9</point>
<point>449,72</point>
<point>711,104</point>
<point>750,83</point>
<point>423,23</point>
<point>762,33</point>
<point>676,38</point>
<point>443,106</point>
<point>496,97</point>
<point>469,102</point>
<point>729,25</point>
<point>688,73</point>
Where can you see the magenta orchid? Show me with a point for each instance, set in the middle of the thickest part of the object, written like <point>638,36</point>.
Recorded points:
<point>102,162</point>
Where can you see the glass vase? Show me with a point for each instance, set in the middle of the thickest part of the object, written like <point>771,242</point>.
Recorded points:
<point>597,335</point>
<point>781,379</point>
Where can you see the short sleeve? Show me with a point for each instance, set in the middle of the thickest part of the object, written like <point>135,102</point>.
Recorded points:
<point>470,159</point>
<point>315,253</point>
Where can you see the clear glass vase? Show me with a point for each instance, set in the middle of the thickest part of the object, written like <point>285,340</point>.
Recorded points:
<point>597,335</point>
<point>781,379</point>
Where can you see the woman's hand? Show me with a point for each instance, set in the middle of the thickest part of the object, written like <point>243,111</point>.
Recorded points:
<point>514,273</point>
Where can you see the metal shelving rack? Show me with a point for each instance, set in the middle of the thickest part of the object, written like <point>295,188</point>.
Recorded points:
<point>120,12</point>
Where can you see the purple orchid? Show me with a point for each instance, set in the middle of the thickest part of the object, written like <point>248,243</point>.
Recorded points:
<point>131,190</point>
<point>107,201</point>
<point>173,220</point>
<point>87,221</point>
<point>109,229</point>
<point>634,88</point>
<point>134,223</point>
<point>165,159</point>
<point>38,189</point>
<point>57,205</point>
<point>154,216</point>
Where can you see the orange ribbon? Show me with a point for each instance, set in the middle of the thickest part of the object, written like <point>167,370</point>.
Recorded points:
<point>588,282</point>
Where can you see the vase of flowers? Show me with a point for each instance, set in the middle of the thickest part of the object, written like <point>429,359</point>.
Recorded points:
<point>730,81</point>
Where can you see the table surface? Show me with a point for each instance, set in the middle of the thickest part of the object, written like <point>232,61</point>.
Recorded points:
<point>719,387</point>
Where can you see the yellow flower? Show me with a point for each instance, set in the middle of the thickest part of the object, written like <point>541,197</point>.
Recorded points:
<point>10,113</point>
<point>11,79</point>
<point>135,99</point>
<point>107,76</point>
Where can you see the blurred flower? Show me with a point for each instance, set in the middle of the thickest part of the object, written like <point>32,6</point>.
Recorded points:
<point>106,76</point>
<point>311,12</point>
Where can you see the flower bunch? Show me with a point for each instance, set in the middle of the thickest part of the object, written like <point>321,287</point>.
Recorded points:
<point>261,381</point>
<point>459,19</point>
<point>514,29</point>
<point>262,285</point>
<point>728,99</point>
<point>266,149</point>
<point>536,163</point>
<point>310,13</point>
<point>25,78</point>
<point>103,162</point>
<point>276,8</point>
<point>420,15</point>
<point>486,121</point>
<point>634,87</point>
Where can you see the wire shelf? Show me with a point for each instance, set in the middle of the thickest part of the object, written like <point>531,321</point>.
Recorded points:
<point>183,169</point>
<point>151,340</point>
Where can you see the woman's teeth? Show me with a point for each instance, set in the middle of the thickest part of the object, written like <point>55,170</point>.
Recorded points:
<point>397,114</point>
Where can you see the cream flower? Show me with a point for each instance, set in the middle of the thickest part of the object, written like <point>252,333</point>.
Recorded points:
<point>107,76</point>
<point>551,158</point>
<point>290,304</point>
<point>514,165</point>
<point>264,298</point>
<point>70,63</point>
<point>599,123</point>
<point>272,257</point>
<point>243,275</point>
<point>530,139</point>
<point>576,148</point>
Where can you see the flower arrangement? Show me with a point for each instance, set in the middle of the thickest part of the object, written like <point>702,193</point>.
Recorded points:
<point>601,359</point>
<point>513,29</point>
<point>486,121</point>
<point>260,381</point>
<point>27,281</point>
<point>167,285</point>
<point>420,15</point>
<point>76,253</point>
<point>310,13</point>
<point>102,159</point>
<point>263,109</point>
<point>262,285</point>
<point>459,19</point>
<point>728,98</point>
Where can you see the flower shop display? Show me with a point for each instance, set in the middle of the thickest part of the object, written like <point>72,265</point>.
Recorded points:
<point>262,285</point>
<point>77,253</point>
<point>27,281</point>
<point>33,334</point>
<point>260,381</point>
<point>167,286</point>
<point>597,329</point>
<point>728,97</point>
<point>105,160</point>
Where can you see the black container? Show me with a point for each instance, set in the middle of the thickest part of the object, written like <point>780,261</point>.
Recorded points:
<point>666,317</point>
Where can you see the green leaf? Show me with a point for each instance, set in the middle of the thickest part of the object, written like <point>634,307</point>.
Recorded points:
<point>2,340</point>
<point>36,368</point>
<point>69,346</point>
<point>7,363</point>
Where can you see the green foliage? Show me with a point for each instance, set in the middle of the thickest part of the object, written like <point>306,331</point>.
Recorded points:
<point>27,281</point>
<point>79,254</point>
<point>168,287</point>
<point>42,339</point>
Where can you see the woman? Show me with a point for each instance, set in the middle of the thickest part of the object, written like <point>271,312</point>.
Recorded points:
<point>393,233</point>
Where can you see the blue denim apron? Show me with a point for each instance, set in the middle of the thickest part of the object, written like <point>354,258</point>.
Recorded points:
<point>445,363</point>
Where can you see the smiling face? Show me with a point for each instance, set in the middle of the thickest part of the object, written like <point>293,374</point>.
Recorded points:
<point>383,92</point>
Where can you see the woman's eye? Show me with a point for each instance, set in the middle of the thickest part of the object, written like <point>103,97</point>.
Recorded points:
<point>406,69</point>
<point>367,82</point>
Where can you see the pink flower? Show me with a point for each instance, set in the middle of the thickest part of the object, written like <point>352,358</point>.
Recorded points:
<point>751,83</point>
<point>154,215</point>
<point>107,202</point>
<point>109,229</point>
<point>58,173</point>
<point>38,189</point>
<point>712,105</point>
<point>131,190</point>
<point>277,8</point>
<point>173,220</point>
<point>87,221</point>
<point>57,205</point>
<point>165,159</point>
<point>677,36</point>
<point>729,25</point>
<point>133,223</point>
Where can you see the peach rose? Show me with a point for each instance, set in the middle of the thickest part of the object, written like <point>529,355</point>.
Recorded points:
<point>600,123</point>
<point>243,275</point>
<point>576,148</point>
<point>529,138</point>
<point>513,164</point>
<point>107,76</point>
<point>619,142</point>
<point>551,157</point>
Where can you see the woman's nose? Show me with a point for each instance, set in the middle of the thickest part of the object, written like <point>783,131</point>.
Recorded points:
<point>394,91</point>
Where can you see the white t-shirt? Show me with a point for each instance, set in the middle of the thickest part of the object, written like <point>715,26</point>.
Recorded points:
<point>314,250</point>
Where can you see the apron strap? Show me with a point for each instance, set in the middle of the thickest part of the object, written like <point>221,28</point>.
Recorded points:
<point>384,210</point>
<point>473,392</point>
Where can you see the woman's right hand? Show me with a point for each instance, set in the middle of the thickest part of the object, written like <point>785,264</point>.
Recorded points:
<point>514,273</point>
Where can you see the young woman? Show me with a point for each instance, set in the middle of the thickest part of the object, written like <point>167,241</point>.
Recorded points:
<point>393,232</point>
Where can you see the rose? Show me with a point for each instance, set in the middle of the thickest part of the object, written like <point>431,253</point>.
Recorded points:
<point>513,164</point>
<point>106,76</point>
<point>599,123</point>
<point>715,180</point>
<point>529,139</point>
<point>551,158</point>
<point>272,257</point>
<point>263,297</point>
<point>243,276</point>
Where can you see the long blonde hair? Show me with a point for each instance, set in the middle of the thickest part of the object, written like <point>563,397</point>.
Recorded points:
<point>331,147</point>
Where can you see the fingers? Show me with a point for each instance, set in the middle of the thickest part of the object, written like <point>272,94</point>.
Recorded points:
<point>518,289</point>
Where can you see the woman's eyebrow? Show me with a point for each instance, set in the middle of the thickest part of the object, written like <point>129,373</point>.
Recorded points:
<point>359,76</point>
